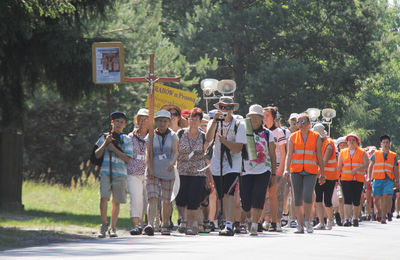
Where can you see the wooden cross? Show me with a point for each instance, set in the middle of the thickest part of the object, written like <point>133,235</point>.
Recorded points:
<point>151,79</point>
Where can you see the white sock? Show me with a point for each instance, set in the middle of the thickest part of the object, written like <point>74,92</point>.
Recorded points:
<point>228,224</point>
<point>215,223</point>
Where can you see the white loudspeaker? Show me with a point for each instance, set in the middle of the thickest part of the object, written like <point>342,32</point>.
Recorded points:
<point>328,113</point>
<point>313,113</point>
<point>209,86</point>
<point>226,86</point>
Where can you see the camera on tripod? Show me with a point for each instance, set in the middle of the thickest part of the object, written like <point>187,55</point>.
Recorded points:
<point>222,116</point>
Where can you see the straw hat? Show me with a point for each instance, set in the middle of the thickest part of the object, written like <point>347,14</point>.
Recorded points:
<point>227,101</point>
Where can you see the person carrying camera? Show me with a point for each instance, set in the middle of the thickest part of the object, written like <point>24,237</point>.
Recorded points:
<point>120,146</point>
<point>226,160</point>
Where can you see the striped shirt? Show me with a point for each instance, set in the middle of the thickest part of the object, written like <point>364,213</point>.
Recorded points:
<point>118,165</point>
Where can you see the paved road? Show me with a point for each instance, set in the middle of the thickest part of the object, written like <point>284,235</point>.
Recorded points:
<point>371,240</point>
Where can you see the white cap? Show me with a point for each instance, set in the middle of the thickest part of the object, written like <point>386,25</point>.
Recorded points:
<point>293,115</point>
<point>163,113</point>
<point>143,112</point>
<point>255,110</point>
<point>340,140</point>
<point>206,117</point>
<point>319,128</point>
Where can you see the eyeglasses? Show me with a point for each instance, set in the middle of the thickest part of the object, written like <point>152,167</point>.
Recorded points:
<point>301,122</point>
<point>223,107</point>
<point>174,114</point>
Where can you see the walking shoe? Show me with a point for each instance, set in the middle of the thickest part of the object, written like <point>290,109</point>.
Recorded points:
<point>330,224</point>
<point>112,232</point>
<point>206,226</point>
<point>272,227</point>
<point>135,231</point>
<point>243,229</point>
<point>278,227</point>
<point>389,216</point>
<point>236,227</point>
<point>369,217</point>
<point>284,220</point>
<point>260,227</point>
<point>293,223</point>
<point>355,222</point>
<point>226,232</point>
<point>103,230</point>
<point>300,230</point>
<point>338,219</point>
<point>383,221</point>
<point>165,231</point>
<point>253,229</point>
<point>182,227</point>
<point>309,227</point>
<point>315,222</point>
<point>320,226</point>
<point>347,223</point>
<point>212,226</point>
<point>378,219</point>
<point>148,230</point>
<point>265,225</point>
<point>190,232</point>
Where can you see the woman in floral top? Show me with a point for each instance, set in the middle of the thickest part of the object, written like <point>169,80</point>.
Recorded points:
<point>190,160</point>
<point>256,173</point>
<point>136,169</point>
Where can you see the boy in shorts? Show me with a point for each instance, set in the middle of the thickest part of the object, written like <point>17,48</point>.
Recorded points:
<point>115,183</point>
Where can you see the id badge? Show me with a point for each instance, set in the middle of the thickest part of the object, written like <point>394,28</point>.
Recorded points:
<point>162,156</point>
<point>140,157</point>
<point>191,155</point>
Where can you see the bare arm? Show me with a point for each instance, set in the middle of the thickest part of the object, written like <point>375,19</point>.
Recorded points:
<point>100,151</point>
<point>150,171</point>
<point>328,154</point>
<point>123,156</point>
<point>282,151</point>
<point>211,132</point>
<point>234,147</point>
<point>174,155</point>
<point>319,157</point>
<point>370,168</point>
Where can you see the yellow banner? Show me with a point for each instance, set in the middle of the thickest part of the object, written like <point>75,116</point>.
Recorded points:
<point>164,95</point>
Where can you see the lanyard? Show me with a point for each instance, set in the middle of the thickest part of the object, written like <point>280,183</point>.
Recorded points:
<point>161,143</point>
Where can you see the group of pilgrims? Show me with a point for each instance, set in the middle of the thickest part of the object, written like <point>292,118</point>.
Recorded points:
<point>240,175</point>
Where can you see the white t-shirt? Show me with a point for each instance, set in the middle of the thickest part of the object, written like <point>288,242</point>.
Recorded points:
<point>280,138</point>
<point>263,161</point>
<point>229,132</point>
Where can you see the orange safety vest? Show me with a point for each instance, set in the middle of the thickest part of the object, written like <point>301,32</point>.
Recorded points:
<point>382,166</point>
<point>304,156</point>
<point>351,163</point>
<point>331,172</point>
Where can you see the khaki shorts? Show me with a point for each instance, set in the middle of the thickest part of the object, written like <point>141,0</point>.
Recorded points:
<point>118,187</point>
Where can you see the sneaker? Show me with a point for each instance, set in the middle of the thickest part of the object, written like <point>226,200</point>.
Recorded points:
<point>135,231</point>
<point>112,232</point>
<point>293,223</point>
<point>398,215</point>
<point>148,230</point>
<point>103,230</point>
<point>272,227</point>
<point>236,227</point>
<point>182,227</point>
<point>243,229</point>
<point>206,226</point>
<point>347,223</point>
<point>330,224</point>
<point>379,219</point>
<point>212,226</point>
<point>320,226</point>
<point>300,230</point>
<point>383,221</point>
<point>389,216</point>
<point>309,227</point>
<point>260,227</point>
<point>369,217</point>
<point>355,222</point>
<point>190,232</point>
<point>338,219</point>
<point>278,227</point>
<point>284,220</point>
<point>226,232</point>
<point>165,231</point>
<point>265,225</point>
<point>253,230</point>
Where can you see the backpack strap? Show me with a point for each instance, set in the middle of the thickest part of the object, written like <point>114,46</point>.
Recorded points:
<point>203,137</point>
<point>266,133</point>
<point>235,128</point>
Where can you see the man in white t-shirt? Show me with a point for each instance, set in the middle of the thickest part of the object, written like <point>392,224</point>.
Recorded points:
<point>231,141</point>
<point>276,188</point>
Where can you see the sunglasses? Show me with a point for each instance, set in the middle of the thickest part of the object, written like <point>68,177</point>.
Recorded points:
<point>301,122</point>
<point>223,107</point>
<point>174,114</point>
